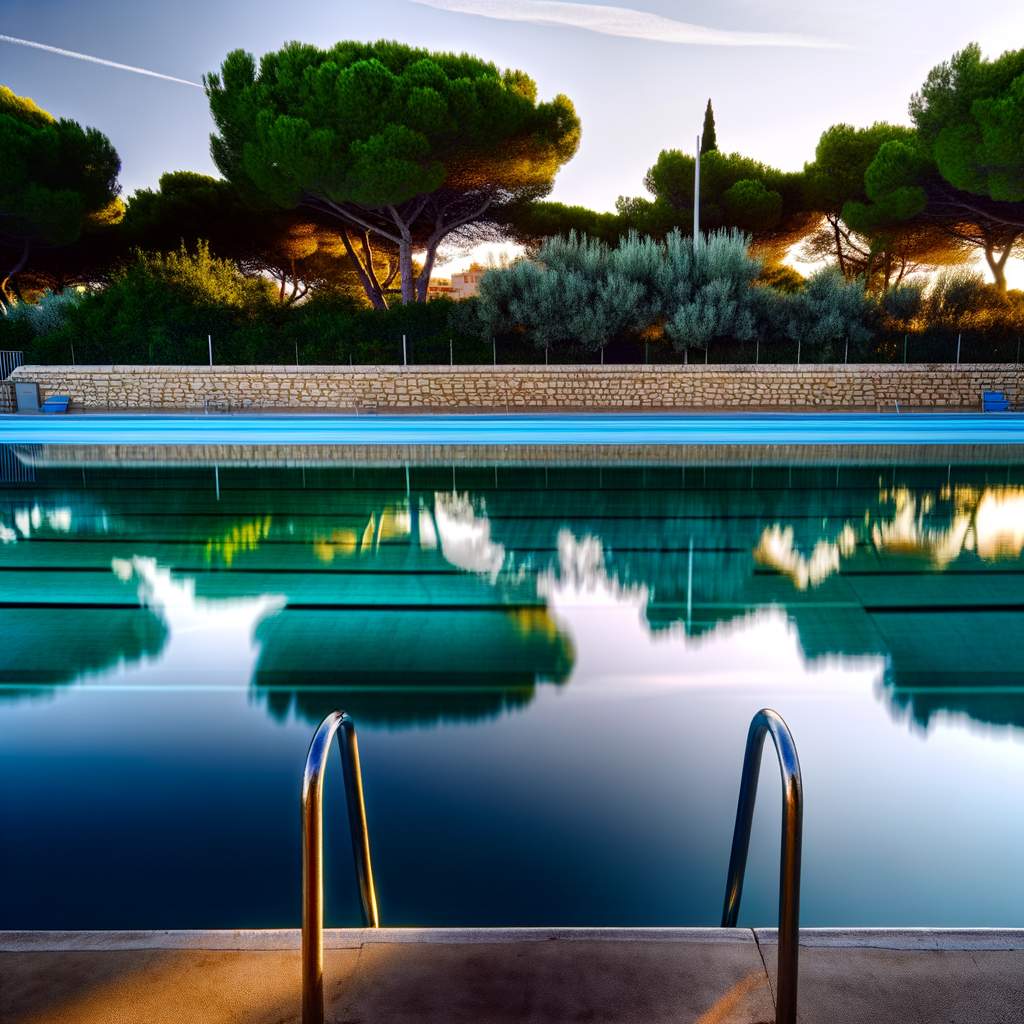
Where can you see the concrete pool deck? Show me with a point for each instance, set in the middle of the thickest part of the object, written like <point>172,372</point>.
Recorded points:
<point>541,976</point>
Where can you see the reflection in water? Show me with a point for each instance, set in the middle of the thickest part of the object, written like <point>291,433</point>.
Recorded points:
<point>989,521</point>
<point>492,633</point>
<point>777,549</point>
<point>433,604</point>
<point>241,537</point>
<point>29,519</point>
<point>205,637</point>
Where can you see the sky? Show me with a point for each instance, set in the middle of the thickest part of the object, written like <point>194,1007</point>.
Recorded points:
<point>639,71</point>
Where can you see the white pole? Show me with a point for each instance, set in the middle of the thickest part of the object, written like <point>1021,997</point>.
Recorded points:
<point>494,351</point>
<point>958,337</point>
<point>451,353</point>
<point>405,358</point>
<point>209,345</point>
<point>696,197</point>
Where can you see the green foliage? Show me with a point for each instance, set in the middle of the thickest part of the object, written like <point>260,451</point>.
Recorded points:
<point>55,177</point>
<point>954,295</point>
<point>405,143</point>
<point>904,303</point>
<point>736,193</point>
<point>582,293</point>
<point>297,251</point>
<point>531,222</point>
<point>573,296</point>
<point>869,185</point>
<point>752,206</point>
<point>828,312</point>
<point>780,277</point>
<point>970,113</point>
<point>48,313</point>
<point>835,177</point>
<point>708,136</point>
<point>200,277</point>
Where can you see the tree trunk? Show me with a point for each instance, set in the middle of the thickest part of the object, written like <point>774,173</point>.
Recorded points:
<point>372,288</point>
<point>424,279</point>
<point>997,264</point>
<point>407,271</point>
<point>839,245</point>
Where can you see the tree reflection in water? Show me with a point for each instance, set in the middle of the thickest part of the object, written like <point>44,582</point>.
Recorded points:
<point>423,602</point>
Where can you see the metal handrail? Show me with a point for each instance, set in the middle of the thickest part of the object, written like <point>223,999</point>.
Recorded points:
<point>767,722</point>
<point>313,852</point>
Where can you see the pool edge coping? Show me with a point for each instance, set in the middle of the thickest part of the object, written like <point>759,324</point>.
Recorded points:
<point>287,939</point>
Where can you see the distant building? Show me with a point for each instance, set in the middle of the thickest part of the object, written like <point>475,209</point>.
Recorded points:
<point>440,287</point>
<point>465,284</point>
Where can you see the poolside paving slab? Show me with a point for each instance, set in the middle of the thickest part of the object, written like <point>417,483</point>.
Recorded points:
<point>532,976</point>
<point>914,976</point>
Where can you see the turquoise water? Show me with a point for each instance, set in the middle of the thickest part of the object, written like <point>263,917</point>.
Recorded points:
<point>551,667</point>
<point>521,428</point>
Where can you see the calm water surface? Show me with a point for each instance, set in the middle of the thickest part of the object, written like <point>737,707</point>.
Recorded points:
<point>552,670</point>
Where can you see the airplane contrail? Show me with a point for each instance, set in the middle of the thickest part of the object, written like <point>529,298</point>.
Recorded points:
<point>96,60</point>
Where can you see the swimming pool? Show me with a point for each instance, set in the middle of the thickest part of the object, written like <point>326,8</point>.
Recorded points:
<point>552,668</point>
<point>521,429</point>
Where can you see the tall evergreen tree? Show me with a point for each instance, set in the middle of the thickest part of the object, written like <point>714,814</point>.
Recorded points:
<point>57,179</point>
<point>387,142</point>
<point>708,139</point>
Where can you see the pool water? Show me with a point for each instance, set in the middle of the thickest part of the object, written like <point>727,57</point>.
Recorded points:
<point>552,669</point>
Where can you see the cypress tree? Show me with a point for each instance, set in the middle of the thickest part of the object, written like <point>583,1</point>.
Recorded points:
<point>708,141</point>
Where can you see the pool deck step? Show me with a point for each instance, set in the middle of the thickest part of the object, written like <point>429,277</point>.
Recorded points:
<point>541,976</point>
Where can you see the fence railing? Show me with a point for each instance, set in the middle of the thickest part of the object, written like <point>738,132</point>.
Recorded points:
<point>9,362</point>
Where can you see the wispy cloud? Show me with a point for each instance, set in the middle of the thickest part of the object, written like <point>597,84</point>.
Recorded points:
<point>621,21</point>
<point>96,60</point>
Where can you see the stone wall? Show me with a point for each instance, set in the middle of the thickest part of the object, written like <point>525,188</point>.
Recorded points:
<point>6,397</point>
<point>323,388</point>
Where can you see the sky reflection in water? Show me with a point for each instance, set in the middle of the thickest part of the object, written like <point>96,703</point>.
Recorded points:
<point>552,670</point>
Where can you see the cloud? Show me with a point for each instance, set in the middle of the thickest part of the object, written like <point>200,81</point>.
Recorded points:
<point>621,21</point>
<point>96,60</point>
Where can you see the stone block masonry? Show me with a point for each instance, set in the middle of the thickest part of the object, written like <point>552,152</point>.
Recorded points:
<point>521,388</point>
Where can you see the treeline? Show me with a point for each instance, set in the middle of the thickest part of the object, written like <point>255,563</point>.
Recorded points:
<point>346,170</point>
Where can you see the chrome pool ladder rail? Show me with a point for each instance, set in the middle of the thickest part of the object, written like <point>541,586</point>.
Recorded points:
<point>768,722</point>
<point>313,852</point>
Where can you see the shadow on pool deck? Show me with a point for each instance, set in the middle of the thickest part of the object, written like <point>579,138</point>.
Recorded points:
<point>536,976</point>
